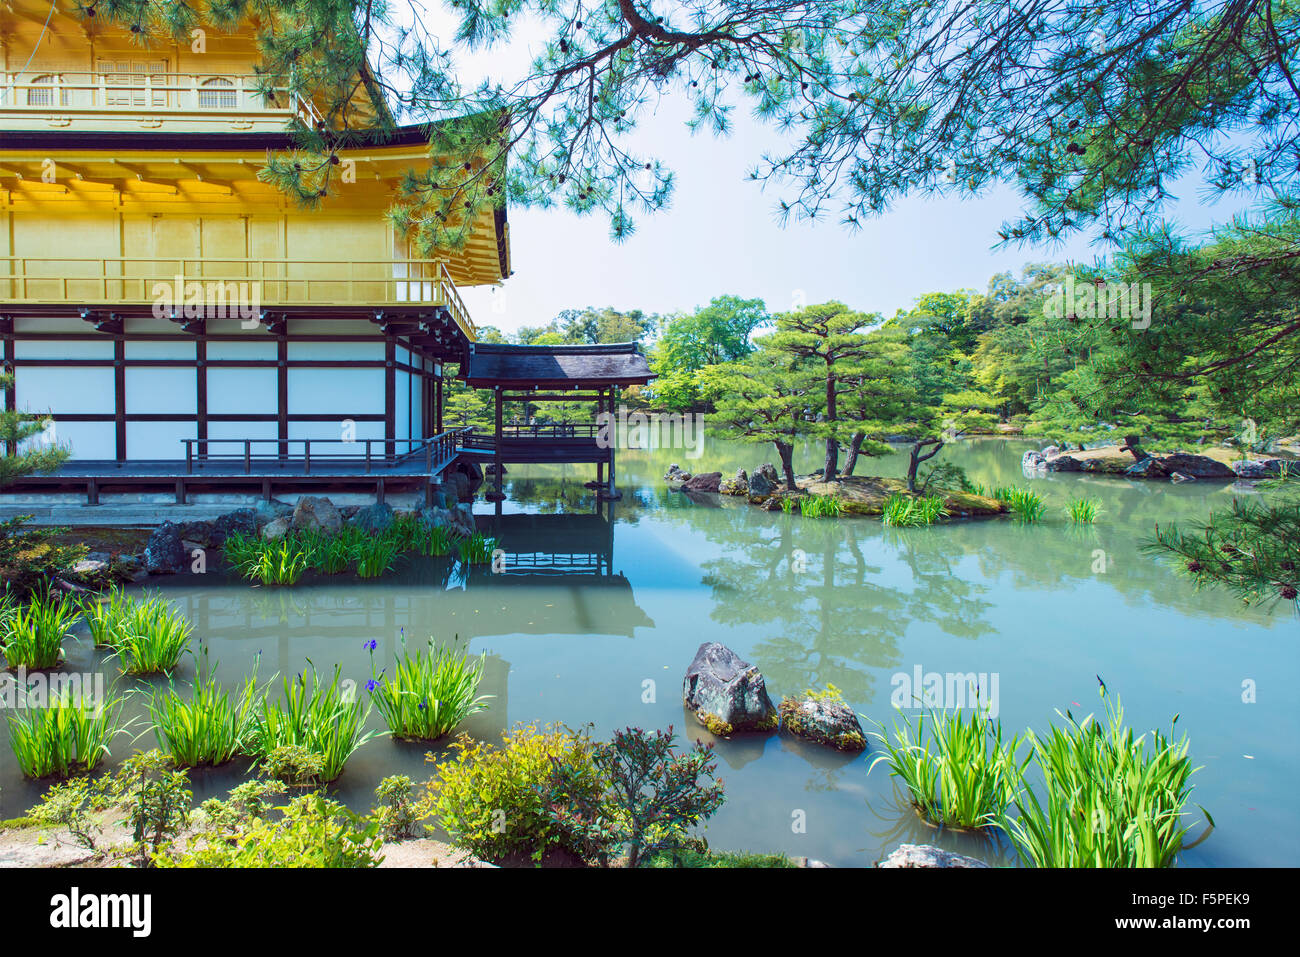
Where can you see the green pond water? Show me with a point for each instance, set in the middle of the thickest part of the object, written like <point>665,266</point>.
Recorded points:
<point>601,609</point>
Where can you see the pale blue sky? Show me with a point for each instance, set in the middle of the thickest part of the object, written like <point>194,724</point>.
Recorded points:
<point>720,236</point>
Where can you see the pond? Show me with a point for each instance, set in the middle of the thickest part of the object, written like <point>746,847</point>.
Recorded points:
<point>601,608</point>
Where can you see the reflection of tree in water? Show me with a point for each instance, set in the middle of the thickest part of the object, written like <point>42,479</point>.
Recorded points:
<point>818,582</point>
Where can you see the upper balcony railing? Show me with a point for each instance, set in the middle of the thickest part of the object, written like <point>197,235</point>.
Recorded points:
<point>233,283</point>
<point>225,97</point>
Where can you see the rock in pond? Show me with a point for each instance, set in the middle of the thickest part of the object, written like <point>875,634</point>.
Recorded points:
<point>165,553</point>
<point>373,518</point>
<point>736,485</point>
<point>764,481</point>
<point>927,855</point>
<point>704,482</point>
<point>824,717</point>
<point>725,693</point>
<point>276,530</point>
<point>1258,468</point>
<point>317,514</point>
<point>242,521</point>
<point>1196,466</point>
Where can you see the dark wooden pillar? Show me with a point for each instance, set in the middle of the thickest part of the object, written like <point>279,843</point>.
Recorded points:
<point>498,466</point>
<point>437,405</point>
<point>201,393</point>
<point>119,395</point>
<point>613,444</point>
<point>10,354</point>
<point>282,387</point>
<point>390,396</point>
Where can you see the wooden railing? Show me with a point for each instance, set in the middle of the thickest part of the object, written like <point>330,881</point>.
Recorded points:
<point>225,95</point>
<point>238,286</point>
<point>434,452</point>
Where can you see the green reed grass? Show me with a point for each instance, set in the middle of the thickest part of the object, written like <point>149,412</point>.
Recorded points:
<point>904,511</point>
<point>429,694</point>
<point>33,635</point>
<point>105,613</point>
<point>1083,511</point>
<point>1027,506</point>
<point>68,734</point>
<point>436,540</point>
<point>1112,799</point>
<point>376,556</point>
<point>322,719</point>
<point>209,726</point>
<point>150,637</point>
<point>278,563</point>
<point>821,506</point>
<point>477,549</point>
<point>959,771</point>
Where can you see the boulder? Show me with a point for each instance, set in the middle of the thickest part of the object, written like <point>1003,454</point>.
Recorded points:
<point>1177,477</point>
<point>1149,467</point>
<point>373,518</point>
<point>927,855</point>
<point>1032,461</point>
<point>1257,468</point>
<point>823,717</point>
<point>462,519</point>
<point>459,485</point>
<point>704,482</point>
<point>725,693</point>
<point>165,553</point>
<point>1051,451</point>
<point>276,529</point>
<point>764,481</point>
<point>242,521</point>
<point>317,514</point>
<point>1196,466</point>
<point>272,509</point>
<point>434,516</point>
<point>90,568</point>
<point>672,470</point>
<point>1065,463</point>
<point>736,485</point>
<point>200,533</point>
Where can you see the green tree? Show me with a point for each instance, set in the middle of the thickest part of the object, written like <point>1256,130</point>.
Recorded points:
<point>764,397</point>
<point>828,340</point>
<point>18,429</point>
<point>713,334</point>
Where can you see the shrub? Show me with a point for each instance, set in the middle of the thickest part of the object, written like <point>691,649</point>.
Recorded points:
<point>648,798</point>
<point>209,727</point>
<point>74,806</point>
<point>294,765</point>
<point>1112,800</point>
<point>428,695</point>
<point>1082,510</point>
<point>397,812</point>
<point>322,719</point>
<point>151,638</point>
<point>30,558</point>
<point>68,734</point>
<point>157,801</point>
<point>311,831</point>
<point>959,775</point>
<point>33,636</point>
<point>493,801</point>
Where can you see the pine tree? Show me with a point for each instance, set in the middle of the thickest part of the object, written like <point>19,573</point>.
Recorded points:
<point>17,428</point>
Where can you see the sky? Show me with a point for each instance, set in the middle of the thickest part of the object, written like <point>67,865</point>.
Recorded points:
<point>721,237</point>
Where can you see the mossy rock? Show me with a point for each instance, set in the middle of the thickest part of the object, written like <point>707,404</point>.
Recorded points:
<point>822,717</point>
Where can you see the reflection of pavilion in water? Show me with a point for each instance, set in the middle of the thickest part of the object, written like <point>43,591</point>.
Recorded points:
<point>557,578</point>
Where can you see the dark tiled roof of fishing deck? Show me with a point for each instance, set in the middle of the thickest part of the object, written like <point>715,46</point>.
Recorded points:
<point>556,367</point>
